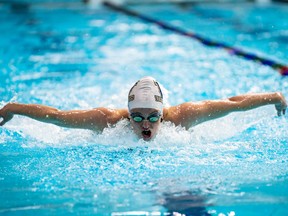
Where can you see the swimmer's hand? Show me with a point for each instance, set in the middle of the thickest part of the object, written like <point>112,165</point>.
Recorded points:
<point>281,106</point>
<point>5,115</point>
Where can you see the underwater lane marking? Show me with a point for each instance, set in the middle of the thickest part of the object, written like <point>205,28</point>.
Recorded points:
<point>281,68</point>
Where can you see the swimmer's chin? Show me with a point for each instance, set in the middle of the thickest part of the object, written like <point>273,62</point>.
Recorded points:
<point>147,139</point>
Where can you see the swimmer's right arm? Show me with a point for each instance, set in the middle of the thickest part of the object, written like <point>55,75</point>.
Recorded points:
<point>94,119</point>
<point>192,113</point>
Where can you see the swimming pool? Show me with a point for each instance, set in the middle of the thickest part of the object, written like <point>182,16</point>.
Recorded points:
<point>72,57</point>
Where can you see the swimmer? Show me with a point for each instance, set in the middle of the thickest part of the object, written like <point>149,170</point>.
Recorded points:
<point>145,111</point>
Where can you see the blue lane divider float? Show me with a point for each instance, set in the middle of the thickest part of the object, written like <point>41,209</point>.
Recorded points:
<point>283,69</point>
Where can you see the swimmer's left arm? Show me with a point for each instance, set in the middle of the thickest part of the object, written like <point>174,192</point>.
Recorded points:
<point>94,119</point>
<point>190,114</point>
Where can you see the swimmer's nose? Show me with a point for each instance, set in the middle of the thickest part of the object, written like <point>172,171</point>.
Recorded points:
<point>145,124</point>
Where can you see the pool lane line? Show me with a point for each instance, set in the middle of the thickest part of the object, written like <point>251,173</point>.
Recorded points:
<point>281,68</point>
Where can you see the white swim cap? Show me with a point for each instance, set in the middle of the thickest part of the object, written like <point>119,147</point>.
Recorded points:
<point>146,93</point>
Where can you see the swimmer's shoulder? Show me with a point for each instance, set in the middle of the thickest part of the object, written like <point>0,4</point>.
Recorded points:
<point>103,117</point>
<point>171,114</point>
<point>116,115</point>
<point>184,114</point>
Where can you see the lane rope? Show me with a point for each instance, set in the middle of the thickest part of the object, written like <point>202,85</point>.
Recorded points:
<point>281,68</point>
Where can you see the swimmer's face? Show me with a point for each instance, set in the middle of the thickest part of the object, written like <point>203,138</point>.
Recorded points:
<point>145,122</point>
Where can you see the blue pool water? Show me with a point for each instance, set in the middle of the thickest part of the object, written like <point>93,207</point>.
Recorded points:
<point>72,56</point>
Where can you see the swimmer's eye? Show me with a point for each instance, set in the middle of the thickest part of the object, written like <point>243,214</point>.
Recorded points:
<point>138,118</point>
<point>153,118</point>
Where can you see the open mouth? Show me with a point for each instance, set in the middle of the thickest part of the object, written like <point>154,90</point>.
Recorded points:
<point>146,134</point>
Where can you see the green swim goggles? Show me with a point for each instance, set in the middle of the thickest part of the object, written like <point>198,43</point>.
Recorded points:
<point>137,117</point>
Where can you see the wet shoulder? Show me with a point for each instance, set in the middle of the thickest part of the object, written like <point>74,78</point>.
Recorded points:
<point>172,114</point>
<point>183,114</point>
<point>116,115</point>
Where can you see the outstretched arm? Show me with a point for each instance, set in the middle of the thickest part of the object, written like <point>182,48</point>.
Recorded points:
<point>95,119</point>
<point>190,114</point>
